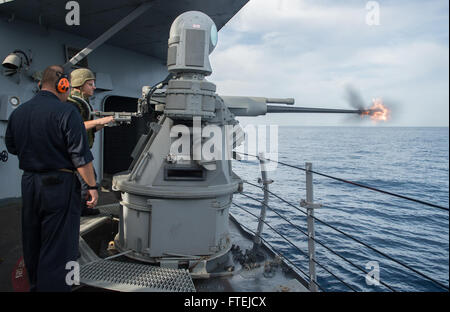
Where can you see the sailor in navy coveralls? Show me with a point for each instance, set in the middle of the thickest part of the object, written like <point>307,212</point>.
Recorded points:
<point>49,138</point>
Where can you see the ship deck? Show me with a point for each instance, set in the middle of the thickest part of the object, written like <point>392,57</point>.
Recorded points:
<point>266,273</point>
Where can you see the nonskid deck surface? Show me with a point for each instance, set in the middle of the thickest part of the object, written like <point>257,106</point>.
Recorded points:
<point>266,274</point>
<point>10,242</point>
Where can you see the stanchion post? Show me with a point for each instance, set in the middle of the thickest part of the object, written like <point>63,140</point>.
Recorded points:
<point>262,217</point>
<point>311,232</point>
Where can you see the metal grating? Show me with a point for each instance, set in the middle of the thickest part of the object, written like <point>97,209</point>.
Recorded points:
<point>111,209</point>
<point>123,276</point>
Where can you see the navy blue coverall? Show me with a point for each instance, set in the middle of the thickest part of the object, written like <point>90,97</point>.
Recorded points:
<point>48,135</point>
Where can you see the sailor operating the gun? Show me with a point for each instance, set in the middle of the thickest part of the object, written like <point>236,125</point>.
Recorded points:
<point>83,87</point>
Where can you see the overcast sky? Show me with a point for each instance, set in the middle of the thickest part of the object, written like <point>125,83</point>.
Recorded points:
<point>312,50</point>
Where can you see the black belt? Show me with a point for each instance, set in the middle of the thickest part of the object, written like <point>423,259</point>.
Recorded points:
<point>67,170</point>
<point>49,171</point>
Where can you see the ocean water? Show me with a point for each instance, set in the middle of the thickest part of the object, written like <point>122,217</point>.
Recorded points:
<point>413,162</point>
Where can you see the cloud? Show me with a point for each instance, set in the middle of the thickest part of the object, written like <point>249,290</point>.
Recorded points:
<point>311,50</point>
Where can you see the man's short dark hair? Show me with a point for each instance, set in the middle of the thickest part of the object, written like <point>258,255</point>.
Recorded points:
<point>51,75</point>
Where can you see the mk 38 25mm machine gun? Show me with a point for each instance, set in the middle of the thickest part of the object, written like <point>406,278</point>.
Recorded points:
<point>176,195</point>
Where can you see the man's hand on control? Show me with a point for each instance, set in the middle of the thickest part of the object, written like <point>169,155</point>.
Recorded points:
<point>93,194</point>
<point>105,120</point>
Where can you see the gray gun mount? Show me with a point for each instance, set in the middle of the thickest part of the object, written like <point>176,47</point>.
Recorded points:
<point>175,201</point>
<point>176,195</point>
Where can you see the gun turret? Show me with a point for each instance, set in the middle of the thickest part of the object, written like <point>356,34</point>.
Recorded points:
<point>178,190</point>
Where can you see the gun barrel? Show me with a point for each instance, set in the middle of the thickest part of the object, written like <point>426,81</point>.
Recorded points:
<point>257,106</point>
<point>284,109</point>
<point>287,101</point>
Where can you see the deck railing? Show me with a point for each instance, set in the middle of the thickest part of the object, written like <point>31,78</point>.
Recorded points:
<point>311,206</point>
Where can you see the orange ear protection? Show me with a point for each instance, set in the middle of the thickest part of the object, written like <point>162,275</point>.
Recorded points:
<point>63,84</point>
